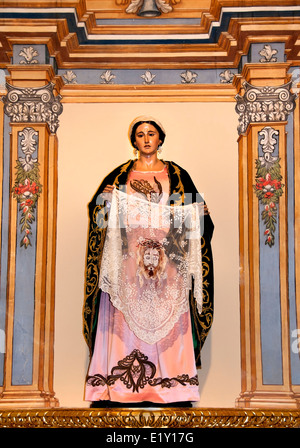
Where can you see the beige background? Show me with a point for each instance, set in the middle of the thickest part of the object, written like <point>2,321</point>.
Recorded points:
<point>202,138</point>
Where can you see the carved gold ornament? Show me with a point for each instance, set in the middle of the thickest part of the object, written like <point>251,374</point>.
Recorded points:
<point>140,418</point>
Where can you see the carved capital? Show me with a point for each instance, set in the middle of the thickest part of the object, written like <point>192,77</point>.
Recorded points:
<point>33,105</point>
<point>264,104</point>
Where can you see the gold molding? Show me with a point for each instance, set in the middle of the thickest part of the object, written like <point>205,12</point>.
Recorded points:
<point>136,93</point>
<point>141,418</point>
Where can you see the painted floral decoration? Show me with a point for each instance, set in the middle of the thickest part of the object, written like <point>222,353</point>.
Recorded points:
<point>148,77</point>
<point>268,189</point>
<point>27,187</point>
<point>69,77</point>
<point>26,190</point>
<point>268,54</point>
<point>188,77</point>
<point>107,77</point>
<point>28,53</point>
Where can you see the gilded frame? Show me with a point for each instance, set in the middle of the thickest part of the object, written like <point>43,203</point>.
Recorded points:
<point>168,417</point>
<point>194,418</point>
<point>171,418</point>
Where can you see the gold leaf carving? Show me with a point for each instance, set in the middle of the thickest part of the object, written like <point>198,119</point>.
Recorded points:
<point>167,418</point>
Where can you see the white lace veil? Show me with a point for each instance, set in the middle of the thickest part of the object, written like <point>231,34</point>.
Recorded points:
<point>150,256</point>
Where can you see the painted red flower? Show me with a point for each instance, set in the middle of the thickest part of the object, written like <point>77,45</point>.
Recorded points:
<point>26,190</point>
<point>276,184</point>
<point>25,241</point>
<point>269,195</point>
<point>34,188</point>
<point>27,187</point>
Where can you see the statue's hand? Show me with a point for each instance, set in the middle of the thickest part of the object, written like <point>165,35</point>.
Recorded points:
<point>203,209</point>
<point>107,192</point>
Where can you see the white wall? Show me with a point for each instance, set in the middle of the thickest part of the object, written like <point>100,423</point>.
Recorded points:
<point>202,138</point>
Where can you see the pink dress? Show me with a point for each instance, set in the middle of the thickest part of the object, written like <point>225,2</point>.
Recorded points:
<point>125,368</point>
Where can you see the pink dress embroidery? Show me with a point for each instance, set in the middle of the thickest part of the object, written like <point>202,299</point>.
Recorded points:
<point>125,368</point>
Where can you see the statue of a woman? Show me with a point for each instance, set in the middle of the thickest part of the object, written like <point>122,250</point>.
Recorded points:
<point>143,325</point>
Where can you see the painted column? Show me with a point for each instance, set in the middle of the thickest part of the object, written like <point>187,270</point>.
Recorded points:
<point>3,232</point>
<point>265,103</point>
<point>32,105</point>
<point>294,234</point>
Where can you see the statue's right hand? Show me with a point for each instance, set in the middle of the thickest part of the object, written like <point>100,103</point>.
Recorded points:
<point>107,192</point>
<point>108,189</point>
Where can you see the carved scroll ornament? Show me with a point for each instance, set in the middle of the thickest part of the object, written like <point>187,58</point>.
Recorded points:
<point>264,104</point>
<point>33,105</point>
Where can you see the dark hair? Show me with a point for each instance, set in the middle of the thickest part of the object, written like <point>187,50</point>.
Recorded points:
<point>162,135</point>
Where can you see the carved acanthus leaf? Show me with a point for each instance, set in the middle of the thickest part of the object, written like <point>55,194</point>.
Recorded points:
<point>264,104</point>
<point>33,105</point>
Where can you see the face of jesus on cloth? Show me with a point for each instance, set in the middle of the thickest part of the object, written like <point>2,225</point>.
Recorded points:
<point>151,260</point>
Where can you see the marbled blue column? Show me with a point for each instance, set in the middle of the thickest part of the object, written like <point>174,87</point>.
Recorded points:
<point>23,330</point>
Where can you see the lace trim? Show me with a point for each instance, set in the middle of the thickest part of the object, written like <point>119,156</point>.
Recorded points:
<point>150,256</point>
<point>136,371</point>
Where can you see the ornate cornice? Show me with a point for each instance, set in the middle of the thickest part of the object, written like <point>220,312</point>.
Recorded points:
<point>33,105</point>
<point>96,38</point>
<point>167,418</point>
<point>264,104</point>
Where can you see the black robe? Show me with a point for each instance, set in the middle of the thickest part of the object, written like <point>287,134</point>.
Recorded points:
<point>182,191</point>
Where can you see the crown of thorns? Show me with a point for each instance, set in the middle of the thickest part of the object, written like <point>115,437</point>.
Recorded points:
<point>150,244</point>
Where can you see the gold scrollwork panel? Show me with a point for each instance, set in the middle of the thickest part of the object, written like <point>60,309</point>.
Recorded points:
<point>167,418</point>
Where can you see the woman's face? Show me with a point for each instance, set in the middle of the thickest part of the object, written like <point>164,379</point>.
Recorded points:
<point>147,139</point>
